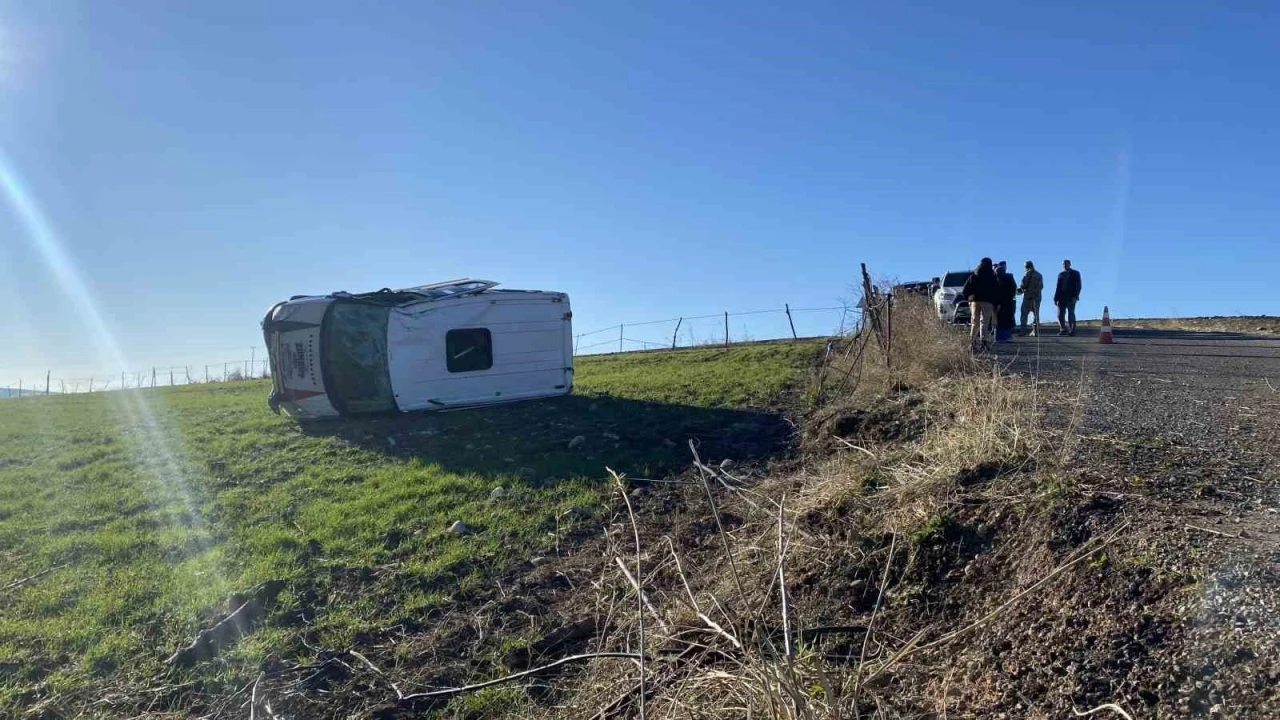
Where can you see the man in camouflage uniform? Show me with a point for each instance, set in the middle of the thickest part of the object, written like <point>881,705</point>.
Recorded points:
<point>1031,289</point>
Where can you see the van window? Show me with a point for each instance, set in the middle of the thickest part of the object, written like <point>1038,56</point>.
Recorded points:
<point>468,350</point>
<point>356,357</point>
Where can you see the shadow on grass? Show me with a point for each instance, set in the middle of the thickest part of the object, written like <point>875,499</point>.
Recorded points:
<point>538,439</point>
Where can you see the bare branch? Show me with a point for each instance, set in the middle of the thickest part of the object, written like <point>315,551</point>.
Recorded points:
<point>378,672</point>
<point>641,601</point>
<point>855,447</point>
<point>1109,706</point>
<point>866,638</point>
<point>643,598</point>
<point>1213,532</point>
<point>23,581</point>
<point>446,692</point>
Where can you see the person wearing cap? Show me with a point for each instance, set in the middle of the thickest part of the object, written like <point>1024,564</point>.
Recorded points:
<point>1031,289</point>
<point>1006,302</point>
<point>982,292</point>
<point>1065,297</point>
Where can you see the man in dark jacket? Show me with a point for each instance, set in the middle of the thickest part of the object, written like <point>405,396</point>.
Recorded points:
<point>1005,304</point>
<point>1066,297</point>
<point>983,293</point>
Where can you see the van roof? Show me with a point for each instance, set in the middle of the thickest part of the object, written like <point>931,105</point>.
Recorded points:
<point>433,292</point>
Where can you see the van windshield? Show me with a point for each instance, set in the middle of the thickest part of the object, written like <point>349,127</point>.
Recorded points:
<point>355,358</point>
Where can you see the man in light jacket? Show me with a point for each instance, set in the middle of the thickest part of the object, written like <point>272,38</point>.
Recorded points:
<point>1031,289</point>
<point>1066,297</point>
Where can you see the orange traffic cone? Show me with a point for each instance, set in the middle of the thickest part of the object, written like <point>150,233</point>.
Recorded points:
<point>1104,335</point>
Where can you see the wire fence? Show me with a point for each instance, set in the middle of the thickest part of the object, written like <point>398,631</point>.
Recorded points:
<point>151,377</point>
<point>723,328</point>
<point>715,329</point>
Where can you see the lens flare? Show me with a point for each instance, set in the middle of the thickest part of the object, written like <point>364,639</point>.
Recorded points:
<point>154,450</point>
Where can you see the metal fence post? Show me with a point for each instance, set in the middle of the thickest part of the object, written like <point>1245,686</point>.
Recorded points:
<point>726,328</point>
<point>620,337</point>
<point>790,321</point>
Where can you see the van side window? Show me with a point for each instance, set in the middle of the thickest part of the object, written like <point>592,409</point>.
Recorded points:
<point>468,350</point>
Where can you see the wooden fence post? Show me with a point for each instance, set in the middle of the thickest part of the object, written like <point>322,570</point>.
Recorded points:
<point>47,373</point>
<point>872,309</point>
<point>790,321</point>
<point>888,341</point>
<point>90,383</point>
<point>726,328</point>
<point>153,377</point>
<point>676,334</point>
<point>620,337</point>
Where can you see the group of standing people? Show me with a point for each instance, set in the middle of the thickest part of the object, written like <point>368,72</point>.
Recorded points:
<point>992,294</point>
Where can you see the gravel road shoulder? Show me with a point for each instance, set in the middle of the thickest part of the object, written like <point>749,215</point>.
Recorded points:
<point>1180,431</point>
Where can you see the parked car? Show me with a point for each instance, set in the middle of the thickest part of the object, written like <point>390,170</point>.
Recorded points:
<point>433,347</point>
<point>948,301</point>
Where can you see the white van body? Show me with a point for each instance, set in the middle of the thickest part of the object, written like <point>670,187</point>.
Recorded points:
<point>433,347</point>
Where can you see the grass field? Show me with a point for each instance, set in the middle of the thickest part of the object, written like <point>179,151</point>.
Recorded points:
<point>130,521</point>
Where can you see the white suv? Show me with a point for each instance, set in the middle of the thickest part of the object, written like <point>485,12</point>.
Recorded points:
<point>947,299</point>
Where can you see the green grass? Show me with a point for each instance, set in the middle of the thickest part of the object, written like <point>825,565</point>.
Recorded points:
<point>742,376</point>
<point>146,510</point>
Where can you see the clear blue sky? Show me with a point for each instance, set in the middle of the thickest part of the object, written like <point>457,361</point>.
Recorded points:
<point>197,162</point>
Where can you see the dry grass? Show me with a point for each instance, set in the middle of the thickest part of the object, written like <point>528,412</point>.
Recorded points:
<point>1263,325</point>
<point>724,636</point>
<point>966,422</point>
<point>922,349</point>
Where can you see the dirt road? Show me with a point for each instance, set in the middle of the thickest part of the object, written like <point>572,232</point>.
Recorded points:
<point>1181,432</point>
